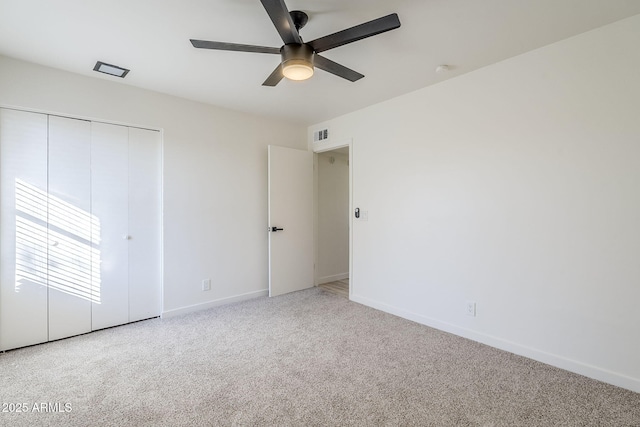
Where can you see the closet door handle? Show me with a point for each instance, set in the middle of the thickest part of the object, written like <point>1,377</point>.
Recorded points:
<point>126,237</point>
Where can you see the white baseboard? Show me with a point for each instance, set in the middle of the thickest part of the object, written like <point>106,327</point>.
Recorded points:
<point>332,278</point>
<point>215,303</point>
<point>575,366</point>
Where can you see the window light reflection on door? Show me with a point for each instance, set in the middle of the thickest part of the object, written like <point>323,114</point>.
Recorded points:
<point>56,244</point>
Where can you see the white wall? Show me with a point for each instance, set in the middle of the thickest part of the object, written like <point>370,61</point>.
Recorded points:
<point>215,166</point>
<point>333,217</point>
<point>516,186</point>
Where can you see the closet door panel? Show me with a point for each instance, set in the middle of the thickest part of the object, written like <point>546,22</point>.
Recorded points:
<point>109,206</point>
<point>70,224</point>
<point>23,227</point>
<point>145,206</point>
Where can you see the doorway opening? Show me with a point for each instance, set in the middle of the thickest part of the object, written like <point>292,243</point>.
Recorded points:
<point>333,221</point>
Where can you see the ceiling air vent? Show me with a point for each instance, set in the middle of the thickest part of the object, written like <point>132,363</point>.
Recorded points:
<point>112,70</point>
<point>320,135</point>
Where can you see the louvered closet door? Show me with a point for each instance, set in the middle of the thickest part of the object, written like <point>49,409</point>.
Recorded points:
<point>110,232</point>
<point>70,239</point>
<point>23,228</point>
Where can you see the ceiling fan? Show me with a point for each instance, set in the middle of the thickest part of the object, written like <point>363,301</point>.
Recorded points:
<point>299,57</point>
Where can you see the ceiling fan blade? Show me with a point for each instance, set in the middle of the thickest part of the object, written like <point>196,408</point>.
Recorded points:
<point>337,69</point>
<point>279,14</point>
<point>353,34</point>
<point>204,44</point>
<point>275,77</point>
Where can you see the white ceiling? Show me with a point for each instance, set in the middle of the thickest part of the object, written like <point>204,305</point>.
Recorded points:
<point>151,37</point>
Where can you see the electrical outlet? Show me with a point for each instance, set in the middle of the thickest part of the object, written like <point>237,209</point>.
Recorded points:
<point>471,308</point>
<point>206,285</point>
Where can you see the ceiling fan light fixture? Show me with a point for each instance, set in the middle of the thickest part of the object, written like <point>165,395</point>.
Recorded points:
<point>297,61</point>
<point>297,69</point>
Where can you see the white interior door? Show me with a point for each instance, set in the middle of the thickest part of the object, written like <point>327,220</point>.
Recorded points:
<point>291,210</point>
<point>109,206</point>
<point>145,224</point>
<point>70,224</point>
<point>23,228</point>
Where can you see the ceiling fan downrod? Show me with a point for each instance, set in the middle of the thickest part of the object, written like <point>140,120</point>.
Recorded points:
<point>299,18</point>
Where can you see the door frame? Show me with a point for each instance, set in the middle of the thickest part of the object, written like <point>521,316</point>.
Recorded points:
<point>323,147</point>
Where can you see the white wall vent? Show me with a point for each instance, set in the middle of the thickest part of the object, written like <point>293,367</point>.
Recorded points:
<point>320,135</point>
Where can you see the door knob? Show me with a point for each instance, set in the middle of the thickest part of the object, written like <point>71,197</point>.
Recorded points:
<point>274,229</point>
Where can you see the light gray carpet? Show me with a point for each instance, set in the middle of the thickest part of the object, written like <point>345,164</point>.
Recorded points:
<point>307,358</point>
